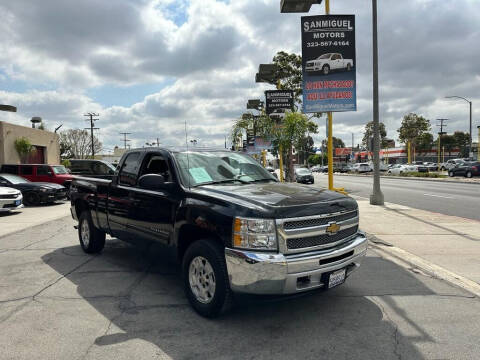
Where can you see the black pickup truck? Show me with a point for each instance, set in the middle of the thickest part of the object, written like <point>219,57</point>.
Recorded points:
<point>232,225</point>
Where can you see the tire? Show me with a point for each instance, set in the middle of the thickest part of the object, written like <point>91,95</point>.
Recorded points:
<point>325,69</point>
<point>91,239</point>
<point>215,297</point>
<point>349,67</point>
<point>313,181</point>
<point>450,173</point>
<point>468,174</point>
<point>31,199</point>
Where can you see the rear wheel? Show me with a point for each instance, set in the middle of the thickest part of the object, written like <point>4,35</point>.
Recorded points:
<point>451,174</point>
<point>205,278</point>
<point>468,174</point>
<point>91,239</point>
<point>31,199</point>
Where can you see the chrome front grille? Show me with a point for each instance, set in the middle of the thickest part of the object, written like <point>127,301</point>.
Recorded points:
<point>298,224</point>
<point>324,239</point>
<point>314,232</point>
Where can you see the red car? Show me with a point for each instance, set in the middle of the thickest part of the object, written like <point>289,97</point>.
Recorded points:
<point>40,173</point>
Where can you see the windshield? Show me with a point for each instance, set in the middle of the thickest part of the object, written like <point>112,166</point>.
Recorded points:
<point>303,171</point>
<point>14,179</point>
<point>325,56</point>
<point>59,170</point>
<point>202,167</point>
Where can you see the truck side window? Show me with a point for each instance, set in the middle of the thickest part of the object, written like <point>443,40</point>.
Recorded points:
<point>156,164</point>
<point>128,172</point>
<point>26,170</point>
<point>42,170</point>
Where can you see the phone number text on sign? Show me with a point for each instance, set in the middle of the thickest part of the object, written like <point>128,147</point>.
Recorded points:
<point>327,43</point>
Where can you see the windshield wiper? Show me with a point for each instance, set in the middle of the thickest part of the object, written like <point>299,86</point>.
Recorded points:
<point>223,181</point>
<point>258,180</point>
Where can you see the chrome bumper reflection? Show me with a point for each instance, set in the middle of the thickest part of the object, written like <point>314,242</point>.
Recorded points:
<point>264,273</point>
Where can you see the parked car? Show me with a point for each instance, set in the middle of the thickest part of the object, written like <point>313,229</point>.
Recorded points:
<point>419,166</point>
<point>363,168</point>
<point>92,168</point>
<point>34,193</point>
<point>340,167</point>
<point>431,166</point>
<point>10,199</point>
<point>449,164</point>
<point>57,174</point>
<point>467,169</point>
<point>328,62</point>
<point>304,175</point>
<point>315,168</point>
<point>271,170</point>
<point>232,226</point>
<point>398,169</point>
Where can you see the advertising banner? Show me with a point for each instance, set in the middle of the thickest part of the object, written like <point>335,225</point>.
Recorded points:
<point>328,63</point>
<point>278,101</point>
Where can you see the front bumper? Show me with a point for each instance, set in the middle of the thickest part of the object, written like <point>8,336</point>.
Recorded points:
<point>7,205</point>
<point>275,274</point>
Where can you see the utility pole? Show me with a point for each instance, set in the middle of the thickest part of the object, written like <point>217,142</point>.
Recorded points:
<point>441,125</point>
<point>92,127</point>
<point>377,196</point>
<point>125,140</point>
<point>351,155</point>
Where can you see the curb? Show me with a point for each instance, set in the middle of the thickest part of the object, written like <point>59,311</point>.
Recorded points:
<point>415,179</point>
<point>402,257</point>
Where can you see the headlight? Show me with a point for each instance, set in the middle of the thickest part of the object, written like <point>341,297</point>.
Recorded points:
<point>254,234</point>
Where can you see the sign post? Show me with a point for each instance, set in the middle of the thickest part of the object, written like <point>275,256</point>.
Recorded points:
<point>329,69</point>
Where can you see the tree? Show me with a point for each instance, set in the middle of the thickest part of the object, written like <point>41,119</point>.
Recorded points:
<point>289,72</point>
<point>291,133</point>
<point>462,141</point>
<point>368,133</point>
<point>337,143</point>
<point>76,143</point>
<point>305,149</point>
<point>425,142</point>
<point>448,142</point>
<point>412,128</point>
<point>23,148</point>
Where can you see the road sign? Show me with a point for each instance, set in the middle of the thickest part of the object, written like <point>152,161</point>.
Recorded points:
<point>328,63</point>
<point>278,100</point>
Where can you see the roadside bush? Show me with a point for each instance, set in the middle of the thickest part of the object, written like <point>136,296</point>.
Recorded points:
<point>423,174</point>
<point>66,163</point>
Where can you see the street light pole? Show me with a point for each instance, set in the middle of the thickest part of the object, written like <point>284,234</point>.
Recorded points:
<point>377,196</point>
<point>470,128</point>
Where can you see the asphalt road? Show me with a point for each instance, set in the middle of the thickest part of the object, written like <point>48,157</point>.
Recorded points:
<point>458,199</point>
<point>58,303</point>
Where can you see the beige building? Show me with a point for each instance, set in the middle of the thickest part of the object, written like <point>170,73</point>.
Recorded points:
<point>46,144</point>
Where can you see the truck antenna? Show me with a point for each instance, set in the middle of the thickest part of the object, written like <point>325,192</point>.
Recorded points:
<point>188,158</point>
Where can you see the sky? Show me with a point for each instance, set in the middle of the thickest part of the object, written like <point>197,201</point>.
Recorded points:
<point>149,66</point>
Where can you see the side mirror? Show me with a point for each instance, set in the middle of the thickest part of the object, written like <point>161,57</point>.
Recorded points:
<point>50,173</point>
<point>151,181</point>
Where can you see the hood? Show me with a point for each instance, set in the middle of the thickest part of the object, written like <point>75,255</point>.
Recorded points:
<point>50,185</point>
<point>36,186</point>
<point>7,191</point>
<point>282,199</point>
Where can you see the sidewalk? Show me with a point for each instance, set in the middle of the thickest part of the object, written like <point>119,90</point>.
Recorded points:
<point>32,216</point>
<point>456,179</point>
<point>449,242</point>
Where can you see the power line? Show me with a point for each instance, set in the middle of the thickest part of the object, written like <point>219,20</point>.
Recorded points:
<point>92,123</point>
<point>125,140</point>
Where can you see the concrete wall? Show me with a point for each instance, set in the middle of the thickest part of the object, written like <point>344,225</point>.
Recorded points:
<point>10,132</point>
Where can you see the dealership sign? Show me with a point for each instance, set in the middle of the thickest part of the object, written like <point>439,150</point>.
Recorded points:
<point>278,101</point>
<point>329,63</point>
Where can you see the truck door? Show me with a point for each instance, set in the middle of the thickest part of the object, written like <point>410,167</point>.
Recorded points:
<point>152,214</point>
<point>44,174</point>
<point>119,202</point>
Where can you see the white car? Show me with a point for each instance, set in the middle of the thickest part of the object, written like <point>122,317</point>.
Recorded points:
<point>401,168</point>
<point>328,62</point>
<point>10,199</point>
<point>363,168</point>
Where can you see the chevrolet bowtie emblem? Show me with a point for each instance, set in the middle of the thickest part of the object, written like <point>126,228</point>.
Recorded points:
<point>332,229</point>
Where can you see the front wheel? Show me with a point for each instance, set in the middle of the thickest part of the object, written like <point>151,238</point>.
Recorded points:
<point>326,69</point>
<point>91,239</point>
<point>205,278</point>
<point>31,199</point>
<point>468,174</point>
<point>450,173</point>
<point>349,67</point>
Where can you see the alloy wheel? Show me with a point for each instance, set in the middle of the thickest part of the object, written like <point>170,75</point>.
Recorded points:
<point>202,279</point>
<point>85,234</point>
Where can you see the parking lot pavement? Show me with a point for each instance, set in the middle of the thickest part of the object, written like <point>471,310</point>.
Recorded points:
<point>58,303</point>
<point>31,216</point>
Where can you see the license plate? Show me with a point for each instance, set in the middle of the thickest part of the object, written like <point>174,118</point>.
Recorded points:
<point>17,202</point>
<point>336,278</point>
